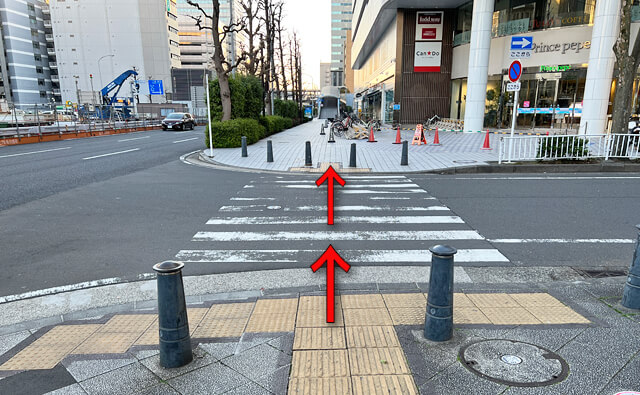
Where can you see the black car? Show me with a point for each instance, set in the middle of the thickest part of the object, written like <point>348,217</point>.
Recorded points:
<point>178,121</point>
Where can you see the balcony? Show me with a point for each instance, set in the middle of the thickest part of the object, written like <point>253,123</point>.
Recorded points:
<point>56,92</point>
<point>53,65</point>
<point>45,9</point>
<point>51,51</point>
<point>49,37</point>
<point>55,78</point>
<point>47,24</point>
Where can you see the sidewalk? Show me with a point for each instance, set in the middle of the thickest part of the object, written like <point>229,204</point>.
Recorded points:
<point>533,330</point>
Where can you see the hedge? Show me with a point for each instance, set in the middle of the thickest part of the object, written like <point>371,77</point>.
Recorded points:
<point>246,97</point>
<point>285,108</point>
<point>228,134</point>
<point>275,124</point>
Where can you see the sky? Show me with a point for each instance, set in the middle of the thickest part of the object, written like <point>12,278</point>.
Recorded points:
<point>312,21</point>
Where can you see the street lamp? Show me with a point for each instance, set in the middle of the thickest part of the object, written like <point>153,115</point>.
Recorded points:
<point>100,70</point>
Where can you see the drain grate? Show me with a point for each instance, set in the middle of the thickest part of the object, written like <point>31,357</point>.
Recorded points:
<point>601,273</point>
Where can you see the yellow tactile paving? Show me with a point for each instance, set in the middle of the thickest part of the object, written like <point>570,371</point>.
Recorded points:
<point>107,343</point>
<point>405,300</point>
<point>67,334</point>
<point>222,327</point>
<point>271,322</point>
<point>373,361</point>
<point>469,315</point>
<point>229,310</point>
<point>151,337</point>
<point>407,315</point>
<point>320,363</point>
<point>461,300</point>
<point>536,300</point>
<point>318,319</point>
<point>494,300</point>
<point>362,301</point>
<point>279,306</point>
<point>319,339</point>
<point>371,337</point>
<point>128,323</point>
<point>510,316</point>
<point>316,303</point>
<point>366,317</point>
<point>557,315</point>
<point>195,316</point>
<point>315,386</point>
<point>384,385</point>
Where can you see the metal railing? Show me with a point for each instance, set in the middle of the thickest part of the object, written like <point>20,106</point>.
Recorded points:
<point>528,148</point>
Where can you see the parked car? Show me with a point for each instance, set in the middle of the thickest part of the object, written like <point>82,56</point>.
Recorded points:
<point>178,121</point>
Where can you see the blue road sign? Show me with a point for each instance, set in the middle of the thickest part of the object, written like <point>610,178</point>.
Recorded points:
<point>155,87</point>
<point>522,42</point>
<point>396,107</point>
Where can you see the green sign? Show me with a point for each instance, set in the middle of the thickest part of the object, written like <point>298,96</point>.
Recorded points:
<point>554,69</point>
<point>168,5</point>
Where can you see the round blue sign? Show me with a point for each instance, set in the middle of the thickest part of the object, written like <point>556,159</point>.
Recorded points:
<point>515,71</point>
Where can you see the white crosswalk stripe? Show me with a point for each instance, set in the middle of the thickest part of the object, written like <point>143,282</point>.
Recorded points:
<point>283,223</point>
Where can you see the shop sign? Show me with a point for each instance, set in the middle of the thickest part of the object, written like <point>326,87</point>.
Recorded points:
<point>550,110</point>
<point>396,107</point>
<point>526,104</point>
<point>554,69</point>
<point>429,25</point>
<point>567,19</point>
<point>561,47</point>
<point>513,27</point>
<point>427,57</point>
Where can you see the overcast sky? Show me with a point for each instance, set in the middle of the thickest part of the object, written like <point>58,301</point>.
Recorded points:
<point>312,21</point>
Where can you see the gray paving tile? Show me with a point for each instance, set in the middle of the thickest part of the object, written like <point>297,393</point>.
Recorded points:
<point>219,350</point>
<point>277,381</point>
<point>249,389</point>
<point>283,343</point>
<point>7,342</point>
<point>200,359</point>
<point>73,389</point>
<point>127,379</point>
<point>160,389</point>
<point>258,361</point>
<point>85,369</point>
<point>458,380</point>
<point>626,379</point>
<point>211,379</point>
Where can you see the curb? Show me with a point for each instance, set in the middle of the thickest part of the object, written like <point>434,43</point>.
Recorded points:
<point>603,167</point>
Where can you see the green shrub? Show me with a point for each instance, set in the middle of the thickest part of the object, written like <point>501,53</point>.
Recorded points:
<point>275,124</point>
<point>228,134</point>
<point>285,108</point>
<point>246,97</point>
<point>573,146</point>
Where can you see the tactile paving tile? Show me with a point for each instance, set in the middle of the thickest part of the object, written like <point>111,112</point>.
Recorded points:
<point>222,327</point>
<point>373,361</point>
<point>195,316</point>
<point>367,317</point>
<point>510,316</point>
<point>318,319</point>
<point>229,310</point>
<point>67,334</point>
<point>320,363</point>
<point>469,315</point>
<point>405,300</point>
<point>494,300</point>
<point>319,339</point>
<point>107,343</point>
<point>372,337</point>
<point>384,385</point>
<point>151,337</point>
<point>271,322</point>
<point>371,301</point>
<point>536,300</point>
<point>277,306</point>
<point>128,323</point>
<point>407,315</point>
<point>315,386</point>
<point>461,300</point>
<point>557,315</point>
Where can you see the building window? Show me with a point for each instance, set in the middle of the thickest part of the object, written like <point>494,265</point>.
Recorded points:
<point>41,82</point>
<point>37,58</point>
<point>34,33</point>
<point>31,7</point>
<point>33,20</point>
<point>43,94</point>
<point>35,45</point>
<point>39,70</point>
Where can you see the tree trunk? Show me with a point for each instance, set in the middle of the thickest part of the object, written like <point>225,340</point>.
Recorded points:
<point>282,66</point>
<point>267,59</point>
<point>218,58</point>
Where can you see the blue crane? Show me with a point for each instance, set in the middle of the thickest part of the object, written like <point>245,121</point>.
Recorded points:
<point>110,100</point>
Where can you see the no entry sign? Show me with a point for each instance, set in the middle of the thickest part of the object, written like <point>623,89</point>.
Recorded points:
<point>515,71</point>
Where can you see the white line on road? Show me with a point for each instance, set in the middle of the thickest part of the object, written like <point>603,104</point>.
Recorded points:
<point>372,177</point>
<point>182,141</point>
<point>257,198</point>
<point>135,138</point>
<point>262,207</point>
<point>112,153</point>
<point>337,235</point>
<point>343,220</point>
<point>395,185</point>
<point>310,181</point>
<point>368,191</point>
<point>549,178</point>
<point>34,152</point>
<point>562,241</point>
<point>389,198</point>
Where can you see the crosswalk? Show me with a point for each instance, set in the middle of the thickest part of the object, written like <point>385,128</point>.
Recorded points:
<point>279,222</point>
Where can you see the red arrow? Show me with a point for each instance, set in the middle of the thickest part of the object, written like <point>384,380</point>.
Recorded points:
<point>332,257</point>
<point>330,175</point>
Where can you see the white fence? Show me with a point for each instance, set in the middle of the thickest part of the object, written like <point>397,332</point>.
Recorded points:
<point>524,148</point>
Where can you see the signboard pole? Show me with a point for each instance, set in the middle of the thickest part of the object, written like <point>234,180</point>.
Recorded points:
<point>206,82</point>
<point>513,124</point>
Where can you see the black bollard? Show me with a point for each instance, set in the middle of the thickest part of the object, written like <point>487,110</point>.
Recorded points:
<point>322,133</point>
<point>175,342</point>
<point>244,147</point>
<point>404,161</point>
<point>307,154</point>
<point>331,139</point>
<point>269,151</point>
<point>352,157</point>
<point>438,325</point>
<point>631,293</point>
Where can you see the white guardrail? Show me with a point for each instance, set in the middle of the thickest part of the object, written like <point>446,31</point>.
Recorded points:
<point>526,148</point>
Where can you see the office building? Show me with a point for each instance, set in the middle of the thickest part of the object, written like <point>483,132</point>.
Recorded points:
<point>325,75</point>
<point>341,11</point>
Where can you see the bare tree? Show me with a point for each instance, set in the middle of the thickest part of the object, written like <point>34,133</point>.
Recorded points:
<point>294,91</point>
<point>220,63</point>
<point>252,29</point>
<point>279,29</point>
<point>298,66</point>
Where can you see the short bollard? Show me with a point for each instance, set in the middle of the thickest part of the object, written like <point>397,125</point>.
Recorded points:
<point>404,161</point>
<point>269,151</point>
<point>322,133</point>
<point>175,342</point>
<point>438,325</point>
<point>352,156</point>
<point>307,154</point>
<point>244,147</point>
<point>631,293</point>
<point>331,138</point>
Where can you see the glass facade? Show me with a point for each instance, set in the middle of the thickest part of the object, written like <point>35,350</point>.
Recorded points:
<point>341,11</point>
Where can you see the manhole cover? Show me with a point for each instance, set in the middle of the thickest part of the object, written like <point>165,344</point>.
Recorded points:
<point>514,363</point>
<point>464,162</point>
<point>601,273</point>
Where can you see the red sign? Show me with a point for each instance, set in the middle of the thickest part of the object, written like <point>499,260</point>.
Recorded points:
<point>515,71</point>
<point>429,18</point>
<point>429,33</point>
<point>526,104</point>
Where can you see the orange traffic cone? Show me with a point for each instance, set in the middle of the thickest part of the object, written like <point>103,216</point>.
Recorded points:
<point>398,137</point>
<point>547,132</point>
<point>371,138</point>
<point>486,145</point>
<point>436,139</point>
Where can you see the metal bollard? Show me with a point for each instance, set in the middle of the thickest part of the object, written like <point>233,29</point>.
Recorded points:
<point>331,138</point>
<point>244,147</point>
<point>631,293</point>
<point>352,157</point>
<point>175,341</point>
<point>438,325</point>
<point>269,151</point>
<point>322,133</point>
<point>404,161</point>
<point>307,154</point>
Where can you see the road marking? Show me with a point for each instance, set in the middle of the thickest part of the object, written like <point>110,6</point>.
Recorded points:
<point>344,220</point>
<point>395,185</point>
<point>135,138</point>
<point>368,191</point>
<point>249,199</point>
<point>372,177</point>
<point>182,141</point>
<point>310,181</point>
<point>112,153</point>
<point>34,152</point>
<point>389,198</point>
<point>549,178</point>
<point>337,235</point>
<point>562,241</point>
<point>262,207</point>
<point>355,256</point>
